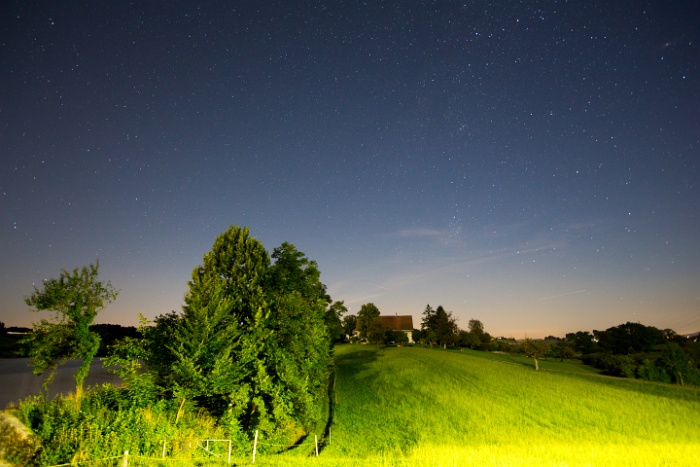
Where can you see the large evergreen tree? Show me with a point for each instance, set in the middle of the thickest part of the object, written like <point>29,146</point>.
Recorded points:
<point>427,335</point>
<point>445,327</point>
<point>219,340</point>
<point>428,321</point>
<point>214,354</point>
<point>439,326</point>
<point>251,344</point>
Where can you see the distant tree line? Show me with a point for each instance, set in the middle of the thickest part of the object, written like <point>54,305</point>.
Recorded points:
<point>634,350</point>
<point>627,350</point>
<point>438,327</point>
<point>368,326</point>
<point>15,342</point>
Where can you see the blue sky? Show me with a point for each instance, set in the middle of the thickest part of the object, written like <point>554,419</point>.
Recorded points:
<point>534,166</point>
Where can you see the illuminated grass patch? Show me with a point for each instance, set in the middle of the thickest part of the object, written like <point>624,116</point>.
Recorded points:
<point>417,406</point>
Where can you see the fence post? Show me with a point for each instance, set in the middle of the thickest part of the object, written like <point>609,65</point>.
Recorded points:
<point>125,459</point>
<point>162,455</point>
<point>255,445</point>
<point>229,452</point>
<point>316,443</point>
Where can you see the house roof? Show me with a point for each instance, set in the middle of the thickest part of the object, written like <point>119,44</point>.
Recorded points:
<point>398,322</point>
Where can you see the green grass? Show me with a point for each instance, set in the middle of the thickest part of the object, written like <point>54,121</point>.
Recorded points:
<point>570,366</point>
<point>419,406</point>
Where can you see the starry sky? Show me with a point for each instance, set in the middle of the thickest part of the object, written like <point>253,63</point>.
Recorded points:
<point>533,165</point>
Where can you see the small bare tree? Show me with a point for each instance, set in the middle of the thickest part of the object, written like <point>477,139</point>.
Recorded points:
<point>535,350</point>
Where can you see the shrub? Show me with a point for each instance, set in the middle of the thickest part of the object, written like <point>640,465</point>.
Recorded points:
<point>109,421</point>
<point>613,365</point>
<point>650,371</point>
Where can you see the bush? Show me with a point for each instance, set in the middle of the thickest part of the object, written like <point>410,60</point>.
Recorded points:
<point>650,371</point>
<point>613,365</point>
<point>675,365</point>
<point>678,364</point>
<point>109,421</point>
<point>397,337</point>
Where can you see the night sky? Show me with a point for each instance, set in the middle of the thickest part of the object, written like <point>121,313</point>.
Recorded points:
<point>533,165</point>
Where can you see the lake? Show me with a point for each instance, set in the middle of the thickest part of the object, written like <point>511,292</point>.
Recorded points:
<point>18,382</point>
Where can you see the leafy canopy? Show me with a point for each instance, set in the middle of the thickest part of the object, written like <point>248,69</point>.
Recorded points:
<point>535,349</point>
<point>365,318</point>
<point>438,326</point>
<point>252,344</point>
<point>75,298</point>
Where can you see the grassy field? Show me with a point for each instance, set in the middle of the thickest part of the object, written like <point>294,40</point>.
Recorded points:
<point>569,366</point>
<point>430,407</point>
<point>417,406</point>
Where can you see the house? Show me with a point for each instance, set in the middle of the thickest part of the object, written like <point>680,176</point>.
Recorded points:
<point>693,337</point>
<point>402,323</point>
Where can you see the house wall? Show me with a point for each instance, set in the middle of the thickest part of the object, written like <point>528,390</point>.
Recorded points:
<point>410,337</point>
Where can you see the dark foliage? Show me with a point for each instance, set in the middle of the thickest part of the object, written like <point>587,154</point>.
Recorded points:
<point>582,342</point>
<point>629,338</point>
<point>675,365</point>
<point>110,334</point>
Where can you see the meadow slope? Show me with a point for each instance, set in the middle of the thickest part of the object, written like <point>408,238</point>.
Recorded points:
<point>419,406</point>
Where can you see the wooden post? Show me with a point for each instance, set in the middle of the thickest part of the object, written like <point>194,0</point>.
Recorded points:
<point>229,452</point>
<point>125,459</point>
<point>255,445</point>
<point>163,453</point>
<point>316,442</point>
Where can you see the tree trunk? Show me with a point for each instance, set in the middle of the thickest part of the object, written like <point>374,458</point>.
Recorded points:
<point>80,376</point>
<point>180,412</point>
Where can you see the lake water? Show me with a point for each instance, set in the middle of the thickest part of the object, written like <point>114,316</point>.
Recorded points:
<point>18,382</point>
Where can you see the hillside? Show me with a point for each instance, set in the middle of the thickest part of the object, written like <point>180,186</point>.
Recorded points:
<point>419,406</point>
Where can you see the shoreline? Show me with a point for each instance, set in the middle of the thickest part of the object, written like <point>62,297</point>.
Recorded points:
<point>19,382</point>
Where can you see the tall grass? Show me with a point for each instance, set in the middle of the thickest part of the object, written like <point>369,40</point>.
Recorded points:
<point>416,406</point>
<point>105,424</point>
